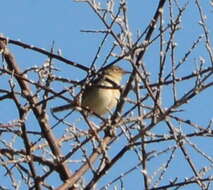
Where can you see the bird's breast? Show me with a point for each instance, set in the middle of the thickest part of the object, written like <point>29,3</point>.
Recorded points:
<point>100,100</point>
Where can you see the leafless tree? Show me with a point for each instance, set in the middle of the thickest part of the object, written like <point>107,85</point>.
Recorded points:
<point>150,141</point>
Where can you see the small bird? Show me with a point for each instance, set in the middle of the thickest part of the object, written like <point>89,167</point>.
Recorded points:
<point>103,94</point>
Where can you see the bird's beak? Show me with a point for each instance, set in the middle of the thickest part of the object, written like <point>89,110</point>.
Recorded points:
<point>126,72</point>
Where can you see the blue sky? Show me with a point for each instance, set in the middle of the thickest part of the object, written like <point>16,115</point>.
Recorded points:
<point>39,23</point>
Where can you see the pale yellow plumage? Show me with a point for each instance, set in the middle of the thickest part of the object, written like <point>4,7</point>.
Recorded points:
<point>99,97</point>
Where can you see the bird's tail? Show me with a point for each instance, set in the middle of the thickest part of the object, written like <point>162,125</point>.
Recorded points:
<point>62,108</point>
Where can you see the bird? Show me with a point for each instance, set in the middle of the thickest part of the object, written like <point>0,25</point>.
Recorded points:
<point>101,95</point>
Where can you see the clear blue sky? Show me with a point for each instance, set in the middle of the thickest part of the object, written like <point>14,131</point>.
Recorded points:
<point>39,22</point>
